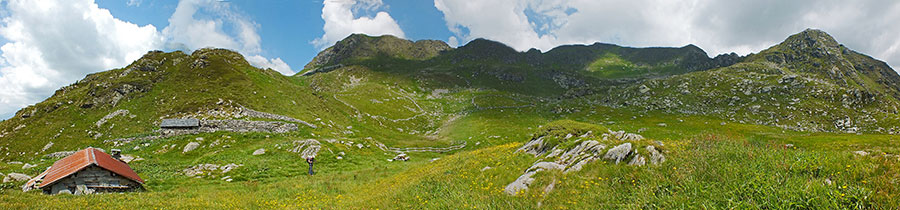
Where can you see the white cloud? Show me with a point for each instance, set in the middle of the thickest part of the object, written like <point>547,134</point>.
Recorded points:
<point>136,3</point>
<point>197,24</point>
<point>55,43</point>
<point>503,21</point>
<point>340,21</point>
<point>716,26</point>
<point>453,41</point>
<point>276,63</point>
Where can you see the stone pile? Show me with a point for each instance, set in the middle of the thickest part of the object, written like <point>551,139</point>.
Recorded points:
<point>584,152</point>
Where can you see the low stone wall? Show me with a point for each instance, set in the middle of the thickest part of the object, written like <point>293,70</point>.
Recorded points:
<point>209,126</point>
<point>253,113</point>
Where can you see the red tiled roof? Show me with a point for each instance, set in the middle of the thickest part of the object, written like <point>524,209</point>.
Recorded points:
<point>84,158</point>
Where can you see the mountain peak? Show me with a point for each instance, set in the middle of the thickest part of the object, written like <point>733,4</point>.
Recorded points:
<point>365,46</point>
<point>811,46</point>
<point>813,38</point>
<point>481,47</point>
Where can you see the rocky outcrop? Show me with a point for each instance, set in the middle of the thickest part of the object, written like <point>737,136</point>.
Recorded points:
<point>306,148</point>
<point>521,184</point>
<point>618,153</point>
<point>573,159</point>
<point>656,157</point>
<point>121,112</point>
<point>322,69</point>
<point>16,177</point>
<point>190,147</point>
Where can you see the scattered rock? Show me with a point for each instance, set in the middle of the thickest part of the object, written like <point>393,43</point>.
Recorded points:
<point>28,165</point>
<point>632,137</point>
<point>521,184</point>
<point>129,158</point>
<point>401,157</point>
<point>199,169</point>
<point>229,167</point>
<point>436,93</point>
<point>259,151</point>
<point>486,168</point>
<point>59,154</point>
<point>16,177</point>
<point>546,166</point>
<point>618,153</point>
<point>46,147</point>
<point>534,147</point>
<point>789,146</point>
<point>861,153</point>
<point>637,160</point>
<point>656,157</point>
<point>643,89</point>
<point>190,147</point>
<point>209,169</point>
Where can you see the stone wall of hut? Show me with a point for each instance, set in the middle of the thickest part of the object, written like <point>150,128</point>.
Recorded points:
<point>92,179</point>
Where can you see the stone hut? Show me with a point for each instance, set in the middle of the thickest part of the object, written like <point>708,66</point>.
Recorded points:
<point>180,123</point>
<point>89,171</point>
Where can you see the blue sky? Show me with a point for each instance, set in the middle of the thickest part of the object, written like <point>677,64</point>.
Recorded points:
<point>47,44</point>
<point>287,27</point>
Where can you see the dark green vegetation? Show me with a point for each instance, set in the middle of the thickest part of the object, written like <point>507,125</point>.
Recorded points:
<point>725,124</point>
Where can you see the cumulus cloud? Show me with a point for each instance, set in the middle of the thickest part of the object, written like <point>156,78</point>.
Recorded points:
<point>275,63</point>
<point>503,21</point>
<point>135,3</point>
<point>203,23</point>
<point>340,21</point>
<point>55,43</point>
<point>716,26</point>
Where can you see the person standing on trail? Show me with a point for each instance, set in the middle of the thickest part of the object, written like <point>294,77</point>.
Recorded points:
<point>310,160</point>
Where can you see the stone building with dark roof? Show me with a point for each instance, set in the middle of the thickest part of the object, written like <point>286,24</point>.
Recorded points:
<point>180,123</point>
<point>88,171</point>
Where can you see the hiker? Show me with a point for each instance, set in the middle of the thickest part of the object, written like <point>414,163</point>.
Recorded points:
<point>310,160</point>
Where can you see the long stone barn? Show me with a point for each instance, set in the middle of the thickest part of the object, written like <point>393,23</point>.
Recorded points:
<point>89,171</point>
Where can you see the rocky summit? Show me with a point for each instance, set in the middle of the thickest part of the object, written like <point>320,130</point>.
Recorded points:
<point>379,122</point>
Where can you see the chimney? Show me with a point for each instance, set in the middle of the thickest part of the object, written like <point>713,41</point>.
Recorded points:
<point>116,154</point>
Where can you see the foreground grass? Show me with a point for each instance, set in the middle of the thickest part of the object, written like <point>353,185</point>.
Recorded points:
<point>703,171</point>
